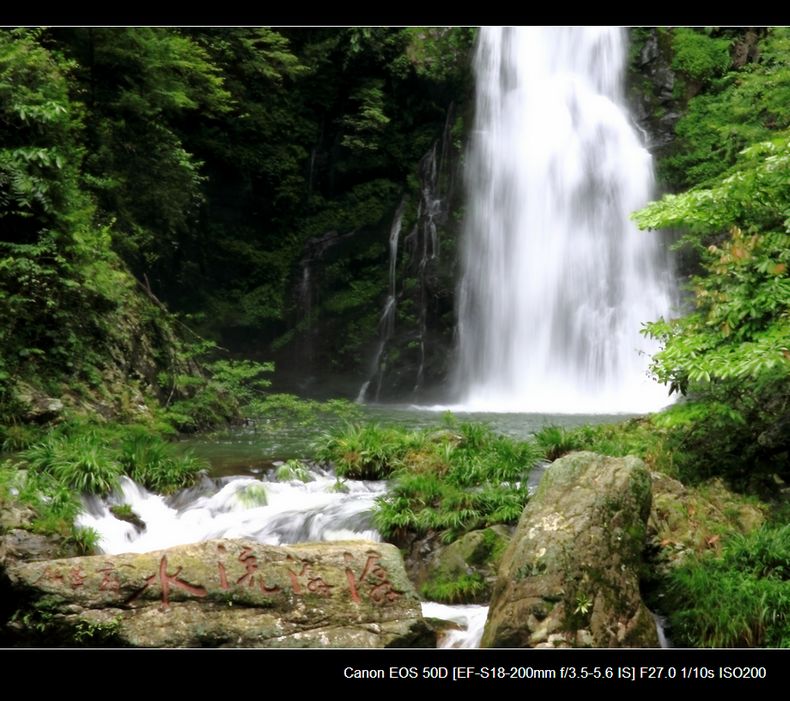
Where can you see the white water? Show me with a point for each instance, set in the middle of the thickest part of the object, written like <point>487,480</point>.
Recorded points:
<point>557,281</point>
<point>294,512</point>
<point>470,619</point>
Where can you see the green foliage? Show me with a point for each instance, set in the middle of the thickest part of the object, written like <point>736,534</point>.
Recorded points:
<point>85,540</point>
<point>367,122</point>
<point>89,458</point>
<point>143,82</point>
<point>699,56</point>
<point>556,441</point>
<point>252,496</point>
<point>641,437</point>
<point>741,327</point>
<point>208,161</point>
<point>150,461</point>
<point>439,53</point>
<point>289,410</point>
<point>55,504</point>
<point>124,512</point>
<point>735,436</point>
<point>52,313</point>
<point>467,587</point>
<point>81,462</point>
<point>451,481</point>
<point>17,437</point>
<point>241,378</point>
<point>738,599</point>
<point>368,451</point>
<point>742,107</point>
<point>97,633</point>
<point>293,470</point>
<point>732,350</point>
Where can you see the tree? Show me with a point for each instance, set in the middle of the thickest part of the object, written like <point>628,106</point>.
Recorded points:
<point>731,353</point>
<point>740,328</point>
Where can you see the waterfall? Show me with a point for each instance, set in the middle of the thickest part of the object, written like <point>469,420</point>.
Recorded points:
<point>557,281</point>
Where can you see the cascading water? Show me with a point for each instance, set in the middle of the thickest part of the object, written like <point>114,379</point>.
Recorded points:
<point>387,319</point>
<point>270,511</point>
<point>557,282</point>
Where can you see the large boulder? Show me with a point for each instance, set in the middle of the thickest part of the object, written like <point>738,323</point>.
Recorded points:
<point>225,593</point>
<point>570,574</point>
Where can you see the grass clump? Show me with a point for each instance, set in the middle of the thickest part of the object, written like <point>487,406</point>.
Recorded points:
<point>369,451</point>
<point>149,460</point>
<point>252,496</point>
<point>293,470</point>
<point>92,458</point>
<point>82,462</point>
<point>81,457</point>
<point>556,441</point>
<point>17,437</point>
<point>454,480</point>
<point>467,587</point>
<point>738,599</point>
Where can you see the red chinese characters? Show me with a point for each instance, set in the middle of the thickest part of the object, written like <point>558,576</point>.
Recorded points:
<point>374,580</point>
<point>167,582</point>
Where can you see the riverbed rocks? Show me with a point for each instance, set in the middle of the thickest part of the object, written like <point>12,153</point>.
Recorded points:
<point>569,577</point>
<point>220,593</point>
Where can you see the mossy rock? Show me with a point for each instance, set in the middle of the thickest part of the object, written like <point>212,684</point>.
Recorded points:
<point>464,571</point>
<point>686,520</point>
<point>570,574</point>
<point>234,593</point>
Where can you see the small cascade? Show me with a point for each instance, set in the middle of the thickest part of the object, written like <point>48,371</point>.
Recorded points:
<point>387,320</point>
<point>663,639</point>
<point>470,622</point>
<point>306,306</point>
<point>270,511</point>
<point>427,233</point>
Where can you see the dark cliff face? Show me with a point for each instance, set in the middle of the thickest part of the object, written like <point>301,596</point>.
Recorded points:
<point>373,306</point>
<point>654,91</point>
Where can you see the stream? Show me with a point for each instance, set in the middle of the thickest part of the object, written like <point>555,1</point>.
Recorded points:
<point>242,497</point>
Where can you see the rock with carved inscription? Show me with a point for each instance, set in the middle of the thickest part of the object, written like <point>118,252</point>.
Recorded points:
<point>569,577</point>
<point>222,593</point>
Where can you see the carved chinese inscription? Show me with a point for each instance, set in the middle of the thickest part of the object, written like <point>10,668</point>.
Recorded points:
<point>373,579</point>
<point>110,580</point>
<point>294,573</point>
<point>314,583</point>
<point>168,581</point>
<point>76,578</point>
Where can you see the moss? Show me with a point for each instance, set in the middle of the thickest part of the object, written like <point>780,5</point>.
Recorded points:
<point>466,588</point>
